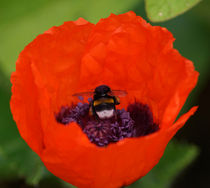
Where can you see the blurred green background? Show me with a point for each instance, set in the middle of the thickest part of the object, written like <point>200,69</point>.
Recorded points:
<point>186,160</point>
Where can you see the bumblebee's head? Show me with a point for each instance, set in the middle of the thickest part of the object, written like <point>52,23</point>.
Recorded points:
<point>102,90</point>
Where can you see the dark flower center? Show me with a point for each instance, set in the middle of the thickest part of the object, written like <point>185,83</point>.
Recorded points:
<point>136,121</point>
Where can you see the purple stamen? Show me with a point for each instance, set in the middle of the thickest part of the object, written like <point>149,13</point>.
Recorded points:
<point>90,99</point>
<point>136,121</point>
<point>81,98</point>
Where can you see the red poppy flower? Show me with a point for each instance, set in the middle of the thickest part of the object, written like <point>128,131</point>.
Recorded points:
<point>121,51</point>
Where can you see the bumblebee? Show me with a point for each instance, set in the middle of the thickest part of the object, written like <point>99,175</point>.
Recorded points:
<point>104,101</point>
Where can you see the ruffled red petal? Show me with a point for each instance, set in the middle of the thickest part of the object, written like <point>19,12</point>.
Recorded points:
<point>121,51</point>
<point>24,100</point>
<point>47,71</point>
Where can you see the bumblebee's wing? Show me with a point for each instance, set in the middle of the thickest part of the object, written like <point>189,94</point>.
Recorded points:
<point>119,93</point>
<point>83,94</point>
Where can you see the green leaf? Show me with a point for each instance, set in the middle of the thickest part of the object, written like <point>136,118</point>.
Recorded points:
<point>162,10</point>
<point>20,162</point>
<point>175,159</point>
<point>202,13</point>
<point>21,25</point>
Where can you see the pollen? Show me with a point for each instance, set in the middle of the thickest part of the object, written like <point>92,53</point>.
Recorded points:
<point>136,121</point>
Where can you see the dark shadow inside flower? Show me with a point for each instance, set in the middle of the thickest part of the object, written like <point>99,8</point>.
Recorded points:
<point>136,121</point>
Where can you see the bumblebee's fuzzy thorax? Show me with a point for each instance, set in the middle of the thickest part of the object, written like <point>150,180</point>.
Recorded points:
<point>103,108</point>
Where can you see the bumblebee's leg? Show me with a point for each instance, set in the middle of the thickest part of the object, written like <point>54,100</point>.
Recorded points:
<point>115,114</point>
<point>90,111</point>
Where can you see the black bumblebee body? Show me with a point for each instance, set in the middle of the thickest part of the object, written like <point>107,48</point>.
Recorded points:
<point>104,101</point>
<point>103,104</point>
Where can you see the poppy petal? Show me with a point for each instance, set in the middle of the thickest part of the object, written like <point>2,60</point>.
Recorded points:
<point>41,77</point>
<point>182,120</point>
<point>25,99</point>
<point>180,95</point>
